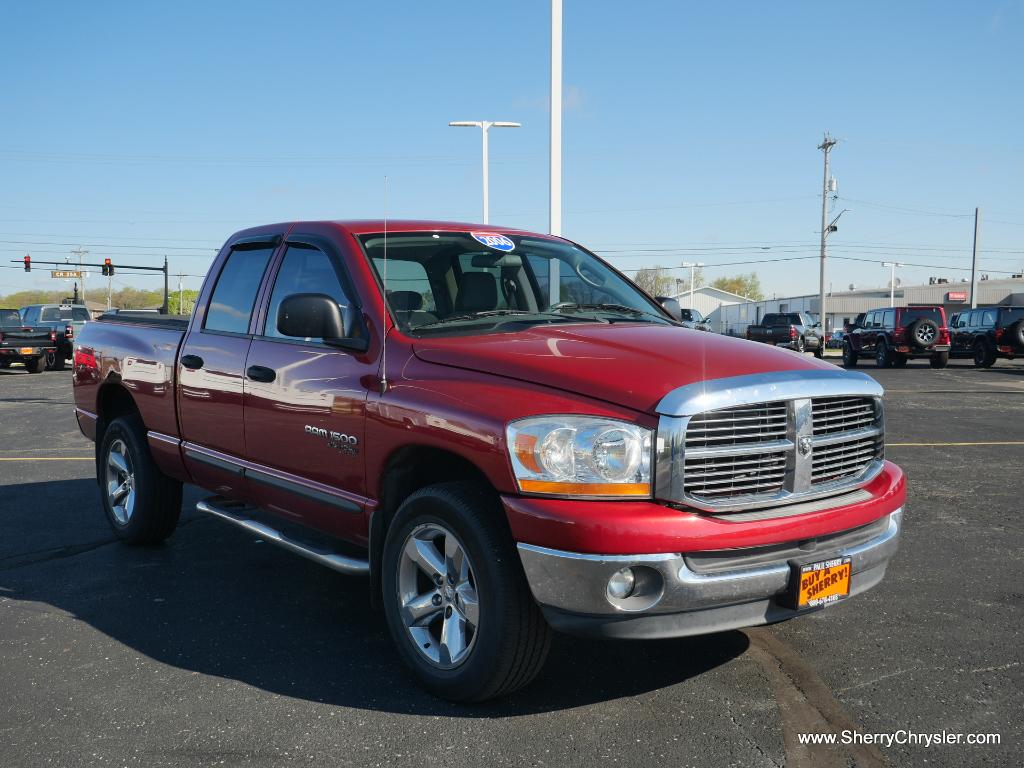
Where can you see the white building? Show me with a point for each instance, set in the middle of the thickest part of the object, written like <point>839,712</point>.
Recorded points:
<point>709,302</point>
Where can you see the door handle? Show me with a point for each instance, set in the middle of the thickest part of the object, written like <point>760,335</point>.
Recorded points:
<point>259,373</point>
<point>192,361</point>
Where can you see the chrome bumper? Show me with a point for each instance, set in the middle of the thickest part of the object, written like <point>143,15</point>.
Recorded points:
<point>573,587</point>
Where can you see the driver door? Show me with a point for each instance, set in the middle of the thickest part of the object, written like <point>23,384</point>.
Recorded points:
<point>305,402</point>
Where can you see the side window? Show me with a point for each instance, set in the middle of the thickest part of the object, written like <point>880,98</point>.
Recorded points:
<point>235,293</point>
<point>31,316</point>
<point>869,320</point>
<point>988,318</point>
<point>969,319</point>
<point>889,318</point>
<point>305,269</point>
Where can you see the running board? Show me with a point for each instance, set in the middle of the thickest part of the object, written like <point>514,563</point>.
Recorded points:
<point>341,563</point>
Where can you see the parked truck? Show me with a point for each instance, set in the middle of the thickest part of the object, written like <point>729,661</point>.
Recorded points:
<point>794,330</point>
<point>22,343</point>
<point>502,432</point>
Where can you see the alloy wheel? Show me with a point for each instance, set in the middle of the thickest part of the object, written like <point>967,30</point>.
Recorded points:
<point>437,595</point>
<point>120,476</point>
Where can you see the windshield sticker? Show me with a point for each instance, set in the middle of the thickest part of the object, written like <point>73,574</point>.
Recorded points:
<point>493,240</point>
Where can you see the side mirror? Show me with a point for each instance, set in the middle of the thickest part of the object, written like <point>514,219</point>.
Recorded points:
<point>671,306</point>
<point>316,316</point>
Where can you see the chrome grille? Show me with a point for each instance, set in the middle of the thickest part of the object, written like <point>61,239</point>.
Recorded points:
<point>732,426</point>
<point>759,453</point>
<point>841,414</point>
<point>723,476</point>
<point>848,424</point>
<point>736,451</point>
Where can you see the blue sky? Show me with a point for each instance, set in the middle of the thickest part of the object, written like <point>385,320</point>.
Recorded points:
<point>690,128</point>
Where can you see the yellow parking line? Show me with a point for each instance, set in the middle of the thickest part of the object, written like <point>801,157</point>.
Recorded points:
<point>47,458</point>
<point>918,445</point>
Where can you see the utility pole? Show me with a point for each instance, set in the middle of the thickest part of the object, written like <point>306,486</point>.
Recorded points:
<point>826,147</point>
<point>892,280</point>
<point>181,296</point>
<point>109,287</point>
<point>80,252</point>
<point>165,309</point>
<point>693,265</point>
<point>974,259</point>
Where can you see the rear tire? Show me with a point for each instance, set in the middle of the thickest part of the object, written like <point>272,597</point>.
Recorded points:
<point>55,361</point>
<point>849,356</point>
<point>5,363</point>
<point>494,637</point>
<point>939,359</point>
<point>36,364</point>
<point>899,361</point>
<point>141,503</point>
<point>984,355</point>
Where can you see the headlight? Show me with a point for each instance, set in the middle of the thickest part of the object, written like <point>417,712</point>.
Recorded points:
<point>580,456</point>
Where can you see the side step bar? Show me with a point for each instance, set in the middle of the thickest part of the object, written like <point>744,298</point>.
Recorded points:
<point>232,514</point>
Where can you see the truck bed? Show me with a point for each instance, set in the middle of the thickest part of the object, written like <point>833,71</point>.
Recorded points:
<point>178,322</point>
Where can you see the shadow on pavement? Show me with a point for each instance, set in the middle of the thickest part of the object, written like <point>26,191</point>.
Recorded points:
<point>215,601</point>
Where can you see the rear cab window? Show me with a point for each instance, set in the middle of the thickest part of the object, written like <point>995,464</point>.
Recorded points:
<point>234,295</point>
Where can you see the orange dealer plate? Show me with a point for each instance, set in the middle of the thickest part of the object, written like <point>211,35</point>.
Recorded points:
<point>822,583</point>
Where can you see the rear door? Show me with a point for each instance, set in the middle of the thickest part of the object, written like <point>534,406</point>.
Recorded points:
<point>212,363</point>
<point>305,401</point>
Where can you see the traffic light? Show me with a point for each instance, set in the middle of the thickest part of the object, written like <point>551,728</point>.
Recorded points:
<point>108,268</point>
<point>28,263</point>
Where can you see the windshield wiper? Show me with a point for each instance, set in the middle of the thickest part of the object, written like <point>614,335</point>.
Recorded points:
<point>622,309</point>
<point>500,313</point>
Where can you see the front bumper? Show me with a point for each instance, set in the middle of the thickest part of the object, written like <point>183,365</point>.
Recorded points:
<point>699,593</point>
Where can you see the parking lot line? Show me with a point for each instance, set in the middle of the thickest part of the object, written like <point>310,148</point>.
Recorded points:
<point>920,445</point>
<point>47,458</point>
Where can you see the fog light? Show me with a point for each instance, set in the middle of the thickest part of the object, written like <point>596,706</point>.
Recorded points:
<point>621,584</point>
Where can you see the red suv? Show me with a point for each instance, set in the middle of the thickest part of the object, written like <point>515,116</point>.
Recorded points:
<point>896,334</point>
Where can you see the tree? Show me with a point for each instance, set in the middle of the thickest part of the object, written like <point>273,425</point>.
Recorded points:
<point>743,285</point>
<point>656,281</point>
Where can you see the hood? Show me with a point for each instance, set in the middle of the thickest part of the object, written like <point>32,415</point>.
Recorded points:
<point>629,364</point>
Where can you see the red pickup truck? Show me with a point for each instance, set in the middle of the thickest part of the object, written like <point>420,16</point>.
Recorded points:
<point>499,429</point>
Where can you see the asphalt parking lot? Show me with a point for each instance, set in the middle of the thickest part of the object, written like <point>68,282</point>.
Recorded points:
<point>215,649</point>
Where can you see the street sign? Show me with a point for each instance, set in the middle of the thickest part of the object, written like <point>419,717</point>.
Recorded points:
<point>76,274</point>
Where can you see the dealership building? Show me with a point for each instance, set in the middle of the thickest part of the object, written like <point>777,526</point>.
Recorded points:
<point>731,314</point>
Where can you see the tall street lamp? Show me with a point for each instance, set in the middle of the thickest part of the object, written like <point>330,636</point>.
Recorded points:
<point>485,126</point>
<point>892,280</point>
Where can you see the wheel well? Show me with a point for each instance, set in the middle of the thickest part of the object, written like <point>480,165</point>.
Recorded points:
<point>409,469</point>
<point>112,402</point>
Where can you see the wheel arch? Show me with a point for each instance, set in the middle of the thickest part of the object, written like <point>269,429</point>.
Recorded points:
<point>407,470</point>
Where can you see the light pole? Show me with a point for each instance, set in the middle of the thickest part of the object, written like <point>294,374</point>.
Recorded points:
<point>693,265</point>
<point>892,280</point>
<point>484,126</point>
<point>555,170</point>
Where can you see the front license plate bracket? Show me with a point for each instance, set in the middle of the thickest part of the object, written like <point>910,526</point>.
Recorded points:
<point>819,583</point>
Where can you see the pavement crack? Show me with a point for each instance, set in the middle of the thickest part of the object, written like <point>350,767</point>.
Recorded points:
<point>806,705</point>
<point>46,555</point>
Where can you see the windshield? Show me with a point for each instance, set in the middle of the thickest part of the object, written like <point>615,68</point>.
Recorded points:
<point>458,282</point>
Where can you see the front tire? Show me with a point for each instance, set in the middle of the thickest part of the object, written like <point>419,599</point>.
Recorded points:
<point>849,356</point>
<point>456,601</point>
<point>36,364</point>
<point>801,345</point>
<point>141,503</point>
<point>55,361</point>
